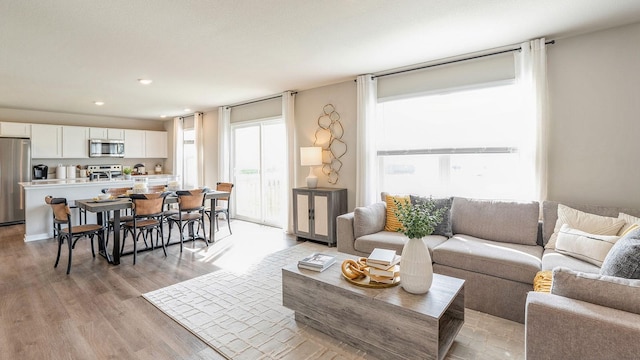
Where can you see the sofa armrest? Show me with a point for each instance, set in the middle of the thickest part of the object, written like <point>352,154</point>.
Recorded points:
<point>345,235</point>
<point>557,327</point>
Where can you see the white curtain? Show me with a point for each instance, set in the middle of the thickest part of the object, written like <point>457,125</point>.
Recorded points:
<point>366,169</point>
<point>224,143</point>
<point>531,74</point>
<point>199,145</point>
<point>178,142</point>
<point>288,115</point>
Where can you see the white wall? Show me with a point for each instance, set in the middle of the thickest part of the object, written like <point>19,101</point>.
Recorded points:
<point>594,86</point>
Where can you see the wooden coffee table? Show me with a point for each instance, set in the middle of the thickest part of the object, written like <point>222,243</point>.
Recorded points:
<point>388,323</point>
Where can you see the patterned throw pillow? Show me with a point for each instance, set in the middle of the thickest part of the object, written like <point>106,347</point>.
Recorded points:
<point>393,224</point>
<point>623,259</point>
<point>584,246</point>
<point>444,227</point>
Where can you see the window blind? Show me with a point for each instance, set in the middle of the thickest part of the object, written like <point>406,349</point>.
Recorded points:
<point>496,68</point>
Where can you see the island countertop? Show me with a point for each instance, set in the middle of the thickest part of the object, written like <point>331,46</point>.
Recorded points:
<point>117,182</point>
<point>38,224</point>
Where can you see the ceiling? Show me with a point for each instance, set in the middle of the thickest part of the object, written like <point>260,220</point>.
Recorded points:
<point>61,56</point>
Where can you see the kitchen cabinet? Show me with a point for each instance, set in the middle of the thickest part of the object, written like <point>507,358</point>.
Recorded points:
<point>315,212</point>
<point>134,143</point>
<point>46,141</point>
<point>106,133</point>
<point>155,144</point>
<point>75,142</point>
<point>9,129</point>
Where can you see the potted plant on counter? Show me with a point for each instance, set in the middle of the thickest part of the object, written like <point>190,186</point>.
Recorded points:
<point>418,220</point>
<point>127,173</point>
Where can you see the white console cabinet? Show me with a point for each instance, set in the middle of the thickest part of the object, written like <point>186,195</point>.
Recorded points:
<point>315,212</point>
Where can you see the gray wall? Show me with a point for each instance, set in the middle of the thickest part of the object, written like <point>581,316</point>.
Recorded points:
<point>594,86</point>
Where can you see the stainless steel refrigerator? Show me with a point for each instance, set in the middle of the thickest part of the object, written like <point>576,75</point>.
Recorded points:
<point>15,167</point>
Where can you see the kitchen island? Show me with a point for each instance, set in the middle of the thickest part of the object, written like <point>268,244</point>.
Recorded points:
<point>38,217</point>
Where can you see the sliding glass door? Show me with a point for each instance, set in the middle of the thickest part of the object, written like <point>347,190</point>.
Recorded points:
<point>259,171</point>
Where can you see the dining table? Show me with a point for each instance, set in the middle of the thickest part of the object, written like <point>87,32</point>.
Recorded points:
<point>100,207</point>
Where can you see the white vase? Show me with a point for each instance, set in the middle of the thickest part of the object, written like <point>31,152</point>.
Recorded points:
<point>416,271</point>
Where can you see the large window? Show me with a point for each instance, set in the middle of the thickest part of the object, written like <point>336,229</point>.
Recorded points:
<point>468,143</point>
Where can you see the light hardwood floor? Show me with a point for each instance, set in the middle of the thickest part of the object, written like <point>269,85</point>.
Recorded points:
<point>97,312</point>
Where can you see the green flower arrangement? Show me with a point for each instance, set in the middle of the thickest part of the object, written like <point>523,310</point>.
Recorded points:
<point>418,220</point>
<point>126,171</point>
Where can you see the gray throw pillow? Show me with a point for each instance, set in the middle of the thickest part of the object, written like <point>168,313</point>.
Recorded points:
<point>623,260</point>
<point>369,219</point>
<point>444,227</point>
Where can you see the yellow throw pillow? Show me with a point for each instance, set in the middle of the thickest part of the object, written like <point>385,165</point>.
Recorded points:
<point>393,224</point>
<point>631,222</point>
<point>542,281</point>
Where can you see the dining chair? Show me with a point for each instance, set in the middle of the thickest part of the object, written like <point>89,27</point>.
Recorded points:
<point>190,212</point>
<point>70,233</point>
<point>224,207</point>
<point>115,192</point>
<point>147,218</point>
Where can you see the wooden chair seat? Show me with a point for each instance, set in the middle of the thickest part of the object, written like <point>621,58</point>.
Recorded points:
<point>143,223</point>
<point>81,229</point>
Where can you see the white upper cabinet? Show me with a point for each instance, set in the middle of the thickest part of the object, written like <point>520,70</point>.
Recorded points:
<point>155,144</point>
<point>105,133</point>
<point>115,134</point>
<point>134,143</point>
<point>46,141</point>
<point>75,142</point>
<point>9,129</point>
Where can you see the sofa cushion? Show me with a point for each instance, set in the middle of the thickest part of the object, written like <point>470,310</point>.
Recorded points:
<point>609,291</point>
<point>393,224</point>
<point>552,259</point>
<point>369,219</point>
<point>504,221</point>
<point>394,241</point>
<point>624,258</point>
<point>580,220</point>
<point>444,227</point>
<point>515,262</point>
<point>584,246</point>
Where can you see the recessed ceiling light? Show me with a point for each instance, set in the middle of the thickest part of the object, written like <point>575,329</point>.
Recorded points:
<point>187,110</point>
<point>163,116</point>
<point>99,103</point>
<point>145,81</point>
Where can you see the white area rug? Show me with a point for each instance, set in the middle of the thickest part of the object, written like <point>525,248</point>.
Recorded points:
<point>239,313</point>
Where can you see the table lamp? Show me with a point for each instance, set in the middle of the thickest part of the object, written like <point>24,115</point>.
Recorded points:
<point>311,156</point>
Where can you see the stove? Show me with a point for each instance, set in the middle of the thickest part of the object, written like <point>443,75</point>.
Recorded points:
<point>104,171</point>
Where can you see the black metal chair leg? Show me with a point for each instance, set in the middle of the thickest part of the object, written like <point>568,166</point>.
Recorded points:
<point>70,252</point>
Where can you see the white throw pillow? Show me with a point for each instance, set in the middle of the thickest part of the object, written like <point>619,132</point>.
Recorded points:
<point>630,221</point>
<point>590,223</point>
<point>584,246</point>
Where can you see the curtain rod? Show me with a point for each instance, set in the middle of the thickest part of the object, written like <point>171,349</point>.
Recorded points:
<point>259,100</point>
<point>457,60</point>
<point>189,115</point>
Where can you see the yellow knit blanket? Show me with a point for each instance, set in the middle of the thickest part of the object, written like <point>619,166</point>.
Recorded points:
<point>542,281</point>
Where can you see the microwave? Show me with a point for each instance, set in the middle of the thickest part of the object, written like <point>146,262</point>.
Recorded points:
<point>106,148</point>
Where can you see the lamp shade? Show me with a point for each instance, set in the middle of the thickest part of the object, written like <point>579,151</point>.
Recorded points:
<point>311,156</point>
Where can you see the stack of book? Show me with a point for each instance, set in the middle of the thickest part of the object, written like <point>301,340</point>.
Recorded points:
<point>383,266</point>
<point>317,262</point>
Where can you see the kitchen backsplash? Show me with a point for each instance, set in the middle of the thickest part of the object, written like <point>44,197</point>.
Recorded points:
<point>53,163</point>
